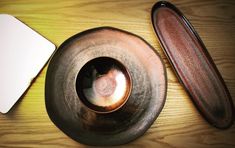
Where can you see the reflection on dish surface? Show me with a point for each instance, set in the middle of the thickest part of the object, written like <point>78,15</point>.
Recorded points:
<point>103,84</point>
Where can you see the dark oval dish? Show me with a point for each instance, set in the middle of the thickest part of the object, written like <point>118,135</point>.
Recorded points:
<point>193,65</point>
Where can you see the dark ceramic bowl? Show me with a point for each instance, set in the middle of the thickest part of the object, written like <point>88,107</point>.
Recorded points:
<point>105,86</point>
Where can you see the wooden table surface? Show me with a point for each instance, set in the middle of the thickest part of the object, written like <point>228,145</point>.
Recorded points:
<point>179,125</point>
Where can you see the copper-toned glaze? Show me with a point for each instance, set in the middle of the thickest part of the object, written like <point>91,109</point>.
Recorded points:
<point>105,60</point>
<point>103,84</point>
<point>193,64</point>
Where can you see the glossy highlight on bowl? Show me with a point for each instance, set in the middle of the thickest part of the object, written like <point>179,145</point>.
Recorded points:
<point>103,84</point>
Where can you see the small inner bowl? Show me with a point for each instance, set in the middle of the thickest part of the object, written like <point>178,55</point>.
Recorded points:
<point>103,84</point>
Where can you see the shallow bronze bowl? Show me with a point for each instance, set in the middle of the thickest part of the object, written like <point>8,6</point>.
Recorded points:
<point>105,86</point>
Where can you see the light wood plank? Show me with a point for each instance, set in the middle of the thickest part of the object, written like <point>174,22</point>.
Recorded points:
<point>179,124</point>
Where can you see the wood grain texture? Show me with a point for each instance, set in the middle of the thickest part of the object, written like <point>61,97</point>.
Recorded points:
<point>179,124</point>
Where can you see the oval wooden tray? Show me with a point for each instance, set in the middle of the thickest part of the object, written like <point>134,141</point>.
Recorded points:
<point>193,64</point>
